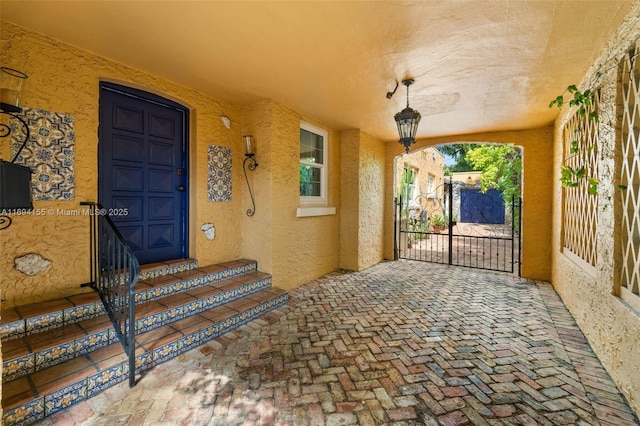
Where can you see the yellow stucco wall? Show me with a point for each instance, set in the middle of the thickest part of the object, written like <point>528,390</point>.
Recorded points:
<point>427,161</point>
<point>611,326</point>
<point>536,208</point>
<point>258,120</point>
<point>350,203</point>
<point>65,79</point>
<point>371,201</point>
<point>362,213</point>
<point>293,249</point>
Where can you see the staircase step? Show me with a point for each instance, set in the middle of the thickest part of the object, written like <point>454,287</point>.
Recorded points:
<point>38,317</point>
<point>162,279</point>
<point>31,398</point>
<point>64,351</point>
<point>152,270</point>
<point>25,355</point>
<point>42,316</point>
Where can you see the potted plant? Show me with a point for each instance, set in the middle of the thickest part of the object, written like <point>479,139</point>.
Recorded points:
<point>438,223</point>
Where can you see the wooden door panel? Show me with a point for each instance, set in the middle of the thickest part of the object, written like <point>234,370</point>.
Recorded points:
<point>162,208</point>
<point>133,207</point>
<point>126,148</point>
<point>162,180</point>
<point>128,179</point>
<point>162,153</point>
<point>128,118</point>
<point>142,171</point>
<point>133,235</point>
<point>161,235</point>
<point>162,126</point>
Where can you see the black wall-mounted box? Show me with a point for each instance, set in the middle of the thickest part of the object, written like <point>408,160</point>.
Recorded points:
<point>15,186</point>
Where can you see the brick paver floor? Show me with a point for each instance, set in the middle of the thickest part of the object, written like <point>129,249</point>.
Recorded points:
<point>406,343</point>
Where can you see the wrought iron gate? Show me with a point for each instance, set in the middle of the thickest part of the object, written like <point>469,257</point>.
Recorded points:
<point>428,228</point>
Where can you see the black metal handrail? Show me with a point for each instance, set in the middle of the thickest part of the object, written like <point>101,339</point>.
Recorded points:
<point>115,270</point>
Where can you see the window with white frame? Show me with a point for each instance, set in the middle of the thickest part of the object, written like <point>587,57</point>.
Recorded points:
<point>313,164</point>
<point>409,183</point>
<point>431,186</point>
<point>629,143</point>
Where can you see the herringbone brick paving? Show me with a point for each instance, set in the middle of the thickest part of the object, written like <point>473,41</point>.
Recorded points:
<point>402,343</point>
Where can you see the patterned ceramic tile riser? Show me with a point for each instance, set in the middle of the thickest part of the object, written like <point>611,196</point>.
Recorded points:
<point>14,368</point>
<point>201,305</point>
<point>83,389</point>
<point>190,283</point>
<point>169,269</point>
<point>48,321</point>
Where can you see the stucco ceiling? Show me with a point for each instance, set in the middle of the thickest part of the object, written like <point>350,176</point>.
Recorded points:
<point>478,65</point>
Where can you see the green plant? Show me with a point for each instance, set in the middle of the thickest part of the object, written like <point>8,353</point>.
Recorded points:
<point>501,167</point>
<point>438,221</point>
<point>570,176</point>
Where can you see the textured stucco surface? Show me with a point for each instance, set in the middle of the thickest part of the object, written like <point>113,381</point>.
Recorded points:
<point>350,203</point>
<point>479,66</point>
<point>257,121</point>
<point>362,214</point>
<point>611,326</point>
<point>371,201</point>
<point>65,79</point>
<point>293,249</point>
<point>536,207</point>
<point>427,161</point>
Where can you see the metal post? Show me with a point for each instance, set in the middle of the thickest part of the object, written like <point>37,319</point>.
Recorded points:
<point>450,185</point>
<point>396,255</point>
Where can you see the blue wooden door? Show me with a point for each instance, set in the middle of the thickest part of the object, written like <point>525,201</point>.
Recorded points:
<point>142,171</point>
<point>476,207</point>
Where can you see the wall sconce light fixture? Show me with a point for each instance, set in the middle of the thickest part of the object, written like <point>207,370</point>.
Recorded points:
<point>407,121</point>
<point>15,180</point>
<point>249,163</point>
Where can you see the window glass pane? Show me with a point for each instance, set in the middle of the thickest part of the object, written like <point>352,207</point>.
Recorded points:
<point>310,181</point>
<point>311,146</point>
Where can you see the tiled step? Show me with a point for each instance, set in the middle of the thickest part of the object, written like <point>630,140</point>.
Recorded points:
<point>34,352</point>
<point>48,374</point>
<point>157,280</point>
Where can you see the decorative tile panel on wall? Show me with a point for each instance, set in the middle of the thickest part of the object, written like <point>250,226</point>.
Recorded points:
<point>219,173</point>
<point>50,152</point>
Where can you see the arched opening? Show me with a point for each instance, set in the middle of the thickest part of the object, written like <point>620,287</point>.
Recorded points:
<point>459,204</point>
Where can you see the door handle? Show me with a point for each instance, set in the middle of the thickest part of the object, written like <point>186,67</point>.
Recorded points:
<point>180,188</point>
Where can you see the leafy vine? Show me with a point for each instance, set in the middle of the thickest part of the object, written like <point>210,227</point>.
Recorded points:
<point>570,176</point>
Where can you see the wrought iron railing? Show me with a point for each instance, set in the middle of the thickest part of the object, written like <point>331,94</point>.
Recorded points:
<point>115,270</point>
<point>481,244</point>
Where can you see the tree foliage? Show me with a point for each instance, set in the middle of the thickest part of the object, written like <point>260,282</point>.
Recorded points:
<point>501,167</point>
<point>458,151</point>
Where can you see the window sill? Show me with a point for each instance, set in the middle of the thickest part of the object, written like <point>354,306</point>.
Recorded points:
<point>585,266</point>
<point>315,211</point>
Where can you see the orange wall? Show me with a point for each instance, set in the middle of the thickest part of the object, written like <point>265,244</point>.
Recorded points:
<point>362,214</point>
<point>293,249</point>
<point>537,203</point>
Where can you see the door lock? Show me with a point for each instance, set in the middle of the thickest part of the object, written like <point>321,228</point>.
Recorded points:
<point>180,188</point>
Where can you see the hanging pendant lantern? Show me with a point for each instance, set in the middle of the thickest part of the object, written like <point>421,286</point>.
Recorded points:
<point>407,121</point>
